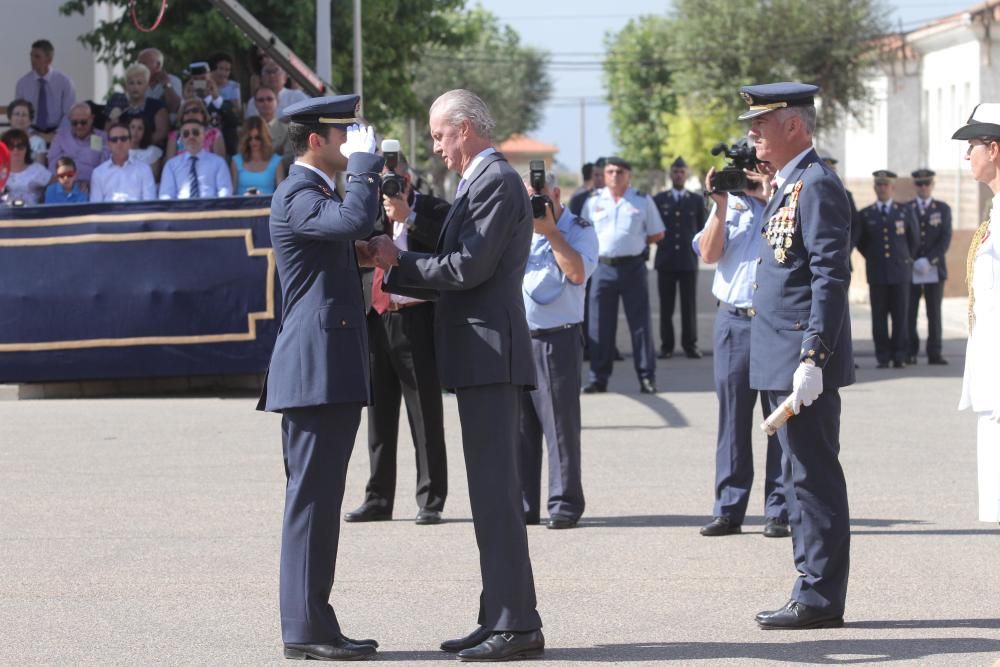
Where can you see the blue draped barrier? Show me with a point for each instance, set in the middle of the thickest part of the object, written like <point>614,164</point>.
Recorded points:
<point>147,289</point>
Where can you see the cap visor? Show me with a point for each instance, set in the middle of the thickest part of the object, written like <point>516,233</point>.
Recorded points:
<point>753,113</point>
<point>973,130</point>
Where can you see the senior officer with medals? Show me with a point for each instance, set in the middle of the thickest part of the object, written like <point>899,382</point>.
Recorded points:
<point>318,376</point>
<point>800,345</point>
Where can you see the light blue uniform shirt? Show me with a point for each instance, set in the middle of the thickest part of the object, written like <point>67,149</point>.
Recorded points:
<point>737,268</point>
<point>550,299</point>
<point>622,226</point>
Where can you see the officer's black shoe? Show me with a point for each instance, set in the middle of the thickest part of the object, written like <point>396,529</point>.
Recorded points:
<point>665,354</point>
<point>427,517</point>
<point>557,522</point>
<point>937,361</point>
<point>776,528</point>
<point>693,353</point>
<point>474,638</point>
<point>899,364</point>
<point>721,525</point>
<point>883,364</point>
<point>341,649</point>
<point>503,646</point>
<point>797,616</point>
<point>360,642</point>
<point>647,386</point>
<point>368,513</point>
<point>912,360</point>
<point>531,520</point>
<point>595,388</point>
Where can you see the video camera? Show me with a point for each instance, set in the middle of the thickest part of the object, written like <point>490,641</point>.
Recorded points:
<point>392,183</point>
<point>742,155</point>
<point>536,176</point>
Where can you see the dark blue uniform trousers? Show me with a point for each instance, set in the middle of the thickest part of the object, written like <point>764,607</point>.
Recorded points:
<point>489,415</point>
<point>734,451</point>
<point>608,284</point>
<point>553,410</point>
<point>890,301</point>
<point>317,443</point>
<point>932,294</point>
<point>816,493</point>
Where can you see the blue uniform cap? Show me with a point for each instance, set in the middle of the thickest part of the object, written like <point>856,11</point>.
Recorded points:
<point>767,97</point>
<point>922,174</point>
<point>884,176</point>
<point>337,110</point>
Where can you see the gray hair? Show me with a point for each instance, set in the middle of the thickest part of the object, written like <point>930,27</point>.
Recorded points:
<point>550,178</point>
<point>460,104</point>
<point>138,68</point>
<point>807,114</point>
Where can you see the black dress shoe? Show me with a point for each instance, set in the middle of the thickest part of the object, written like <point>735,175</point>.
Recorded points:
<point>360,642</point>
<point>664,354</point>
<point>912,360</point>
<point>502,646</point>
<point>531,520</point>
<point>427,517</point>
<point>899,364</point>
<point>797,616</point>
<point>883,364</point>
<point>693,353</point>
<point>368,513</point>
<point>776,528</point>
<point>721,525</point>
<point>595,388</point>
<point>474,638</point>
<point>937,361</point>
<point>561,522</point>
<point>647,386</point>
<point>339,650</point>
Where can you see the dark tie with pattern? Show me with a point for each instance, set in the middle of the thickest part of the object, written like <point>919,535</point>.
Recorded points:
<point>195,191</point>
<point>42,112</point>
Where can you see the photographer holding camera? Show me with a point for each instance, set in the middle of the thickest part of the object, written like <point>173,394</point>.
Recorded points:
<point>563,255</point>
<point>401,342</point>
<point>732,238</point>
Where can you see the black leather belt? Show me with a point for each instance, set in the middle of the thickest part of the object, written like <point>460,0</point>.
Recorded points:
<point>736,310</point>
<point>535,333</point>
<point>615,261</point>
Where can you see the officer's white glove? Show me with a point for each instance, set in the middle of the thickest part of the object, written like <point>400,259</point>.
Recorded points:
<point>807,385</point>
<point>922,265</point>
<point>360,139</point>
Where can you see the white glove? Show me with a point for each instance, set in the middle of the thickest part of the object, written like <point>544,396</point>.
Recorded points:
<point>922,265</point>
<point>360,139</point>
<point>807,385</point>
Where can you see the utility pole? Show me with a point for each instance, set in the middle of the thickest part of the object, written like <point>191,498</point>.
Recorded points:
<point>324,41</point>
<point>358,81</point>
<point>583,132</point>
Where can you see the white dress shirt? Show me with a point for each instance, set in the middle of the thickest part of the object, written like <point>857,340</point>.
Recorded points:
<point>214,178</point>
<point>132,181</point>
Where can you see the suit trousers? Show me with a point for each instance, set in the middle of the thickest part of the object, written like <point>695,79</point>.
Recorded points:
<point>816,492</point>
<point>890,301</point>
<point>933,293</point>
<point>734,449</point>
<point>552,410</point>
<point>317,443</point>
<point>404,366</point>
<point>608,284</point>
<point>668,284</point>
<point>489,418</point>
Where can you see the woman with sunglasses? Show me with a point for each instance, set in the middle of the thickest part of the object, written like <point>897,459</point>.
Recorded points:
<point>194,109</point>
<point>256,169</point>
<point>21,114</point>
<point>27,179</point>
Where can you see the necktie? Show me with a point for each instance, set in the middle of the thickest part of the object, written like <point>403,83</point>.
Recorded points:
<point>380,298</point>
<point>460,189</point>
<point>42,112</point>
<point>193,179</point>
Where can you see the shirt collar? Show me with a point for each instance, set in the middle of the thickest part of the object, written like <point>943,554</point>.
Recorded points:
<point>885,204</point>
<point>925,202</point>
<point>787,170</point>
<point>329,181</point>
<point>467,174</point>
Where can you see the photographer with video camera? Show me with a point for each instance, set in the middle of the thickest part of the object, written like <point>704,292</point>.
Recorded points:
<point>401,342</point>
<point>732,238</point>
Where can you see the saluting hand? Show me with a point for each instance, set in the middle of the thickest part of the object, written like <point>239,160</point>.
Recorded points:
<point>360,139</point>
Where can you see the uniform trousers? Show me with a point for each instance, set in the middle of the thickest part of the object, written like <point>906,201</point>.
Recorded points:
<point>608,284</point>
<point>489,415</point>
<point>816,492</point>
<point>317,443</point>
<point>932,293</point>
<point>734,449</point>
<point>988,458</point>
<point>890,301</point>
<point>552,410</point>
<point>668,284</point>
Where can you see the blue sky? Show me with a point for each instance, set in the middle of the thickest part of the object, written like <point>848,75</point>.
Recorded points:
<point>573,32</point>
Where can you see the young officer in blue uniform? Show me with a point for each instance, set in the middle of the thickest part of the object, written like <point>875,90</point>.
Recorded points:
<point>732,238</point>
<point>563,255</point>
<point>626,222</point>
<point>929,267</point>
<point>888,240</point>
<point>318,377</point>
<point>800,345</point>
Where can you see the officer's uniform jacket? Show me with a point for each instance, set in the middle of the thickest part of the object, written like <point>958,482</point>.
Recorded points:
<point>321,352</point>
<point>800,307</point>
<point>935,233</point>
<point>682,220</point>
<point>888,243</point>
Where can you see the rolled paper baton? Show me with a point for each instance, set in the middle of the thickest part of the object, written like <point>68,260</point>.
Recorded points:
<point>777,419</point>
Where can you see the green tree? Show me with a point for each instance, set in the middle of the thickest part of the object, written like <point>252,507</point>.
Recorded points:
<point>695,131</point>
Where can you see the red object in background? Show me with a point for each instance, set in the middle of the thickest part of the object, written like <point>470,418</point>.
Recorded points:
<point>4,164</point>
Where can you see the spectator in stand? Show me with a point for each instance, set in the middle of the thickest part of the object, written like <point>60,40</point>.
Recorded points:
<point>121,178</point>
<point>21,114</point>
<point>162,86</point>
<point>65,190</point>
<point>195,173</point>
<point>222,69</point>
<point>50,92</point>
<point>140,105</point>
<point>256,169</point>
<point>27,179</point>
<point>267,107</point>
<point>220,112</point>
<point>195,109</point>
<point>275,78</point>
<point>87,146</point>
<point>141,149</point>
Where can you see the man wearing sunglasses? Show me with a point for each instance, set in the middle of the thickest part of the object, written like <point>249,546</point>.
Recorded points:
<point>122,178</point>
<point>87,146</point>
<point>195,174</point>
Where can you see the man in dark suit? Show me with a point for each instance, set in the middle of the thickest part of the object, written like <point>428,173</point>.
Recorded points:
<point>800,345</point>
<point>484,354</point>
<point>683,214</point>
<point>318,377</point>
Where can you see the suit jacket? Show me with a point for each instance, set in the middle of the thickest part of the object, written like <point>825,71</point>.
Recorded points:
<point>935,233</point>
<point>800,304</point>
<point>682,219</point>
<point>321,352</point>
<point>889,244</point>
<point>480,332</point>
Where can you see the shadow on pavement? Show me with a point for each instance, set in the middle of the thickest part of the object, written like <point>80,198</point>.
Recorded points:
<point>693,521</point>
<point>932,623</point>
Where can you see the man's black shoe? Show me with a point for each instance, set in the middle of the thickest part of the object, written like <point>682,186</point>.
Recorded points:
<point>899,364</point>
<point>721,525</point>
<point>883,364</point>
<point>531,520</point>
<point>368,513</point>
<point>339,650</point>
<point>665,354</point>
<point>797,616</point>
<point>561,522</point>
<point>693,353</point>
<point>912,360</point>
<point>595,388</point>
<point>776,528</point>
<point>474,638</point>
<point>937,361</point>
<point>647,386</point>
<point>502,646</point>
<point>360,642</point>
<point>427,517</point>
